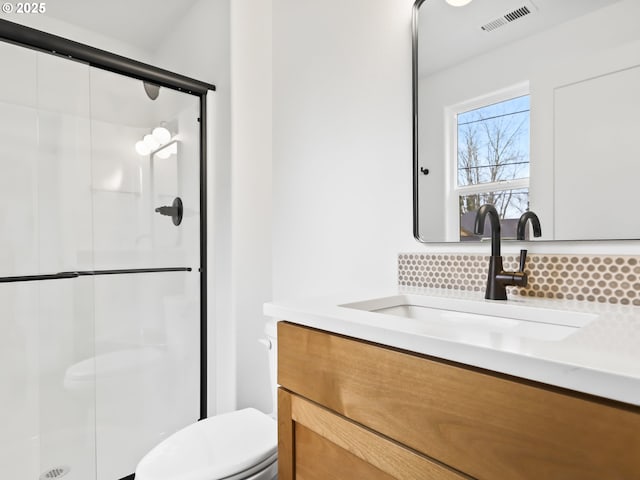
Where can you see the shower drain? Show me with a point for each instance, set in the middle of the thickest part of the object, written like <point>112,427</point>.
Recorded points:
<point>57,472</point>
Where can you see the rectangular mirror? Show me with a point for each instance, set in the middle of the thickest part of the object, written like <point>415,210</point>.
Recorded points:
<point>529,106</point>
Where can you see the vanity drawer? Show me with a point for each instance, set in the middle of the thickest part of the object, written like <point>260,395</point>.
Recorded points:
<point>486,425</point>
<point>328,446</point>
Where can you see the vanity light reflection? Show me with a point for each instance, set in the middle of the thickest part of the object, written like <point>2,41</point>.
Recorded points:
<point>458,3</point>
<point>153,141</point>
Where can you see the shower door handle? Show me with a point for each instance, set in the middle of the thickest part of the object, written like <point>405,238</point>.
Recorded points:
<point>37,278</point>
<point>174,211</point>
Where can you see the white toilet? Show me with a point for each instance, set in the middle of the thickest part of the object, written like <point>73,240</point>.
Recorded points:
<point>240,445</point>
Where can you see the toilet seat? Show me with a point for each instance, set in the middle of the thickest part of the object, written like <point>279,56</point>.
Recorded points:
<point>231,446</point>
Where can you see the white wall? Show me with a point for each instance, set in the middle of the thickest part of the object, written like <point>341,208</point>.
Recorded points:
<point>341,144</point>
<point>251,194</point>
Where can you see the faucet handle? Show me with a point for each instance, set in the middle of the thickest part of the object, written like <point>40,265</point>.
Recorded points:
<point>523,259</point>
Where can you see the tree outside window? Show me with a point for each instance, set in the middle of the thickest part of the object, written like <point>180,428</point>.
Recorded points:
<point>493,162</point>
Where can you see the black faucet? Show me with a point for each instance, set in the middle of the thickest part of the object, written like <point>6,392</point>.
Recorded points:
<point>522,225</point>
<point>498,279</point>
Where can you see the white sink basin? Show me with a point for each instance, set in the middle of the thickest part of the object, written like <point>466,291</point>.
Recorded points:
<point>472,316</point>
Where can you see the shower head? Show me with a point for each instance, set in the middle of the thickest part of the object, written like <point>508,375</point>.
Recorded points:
<point>152,90</point>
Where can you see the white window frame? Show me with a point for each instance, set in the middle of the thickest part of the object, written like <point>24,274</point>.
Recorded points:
<point>452,190</point>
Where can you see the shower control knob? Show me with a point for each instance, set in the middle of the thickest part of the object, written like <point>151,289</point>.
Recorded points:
<point>174,211</point>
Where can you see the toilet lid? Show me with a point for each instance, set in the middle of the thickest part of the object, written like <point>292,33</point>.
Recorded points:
<point>212,449</point>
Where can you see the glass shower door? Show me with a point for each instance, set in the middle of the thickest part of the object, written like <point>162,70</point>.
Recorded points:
<point>46,320</point>
<point>145,155</point>
<point>65,307</point>
<point>19,388</point>
<point>99,282</point>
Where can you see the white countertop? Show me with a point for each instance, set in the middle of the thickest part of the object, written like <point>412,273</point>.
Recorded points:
<point>602,358</point>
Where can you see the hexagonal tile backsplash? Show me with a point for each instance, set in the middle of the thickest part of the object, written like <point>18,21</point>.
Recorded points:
<point>591,278</point>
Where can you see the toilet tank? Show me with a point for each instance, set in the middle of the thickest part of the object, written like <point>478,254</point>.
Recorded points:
<point>271,333</point>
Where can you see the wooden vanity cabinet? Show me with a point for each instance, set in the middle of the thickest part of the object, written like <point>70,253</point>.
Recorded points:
<point>350,409</point>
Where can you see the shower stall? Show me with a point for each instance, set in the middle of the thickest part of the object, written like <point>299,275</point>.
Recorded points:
<point>102,258</point>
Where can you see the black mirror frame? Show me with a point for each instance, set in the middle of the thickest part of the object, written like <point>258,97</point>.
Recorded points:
<point>414,90</point>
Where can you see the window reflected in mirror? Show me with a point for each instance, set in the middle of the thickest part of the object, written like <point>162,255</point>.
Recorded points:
<point>491,155</point>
